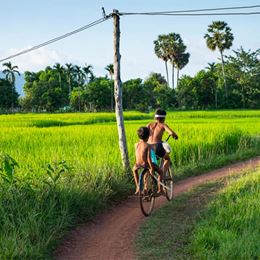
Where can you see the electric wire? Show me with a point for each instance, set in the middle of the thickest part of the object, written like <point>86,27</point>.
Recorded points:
<point>57,38</point>
<point>193,10</point>
<point>193,14</point>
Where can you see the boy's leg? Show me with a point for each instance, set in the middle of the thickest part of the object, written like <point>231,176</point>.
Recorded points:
<point>160,172</point>
<point>166,163</point>
<point>136,178</point>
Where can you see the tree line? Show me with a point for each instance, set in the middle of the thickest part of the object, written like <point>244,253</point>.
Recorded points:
<point>234,82</point>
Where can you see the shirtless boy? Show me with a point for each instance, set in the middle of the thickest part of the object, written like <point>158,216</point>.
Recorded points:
<point>143,157</point>
<point>157,129</point>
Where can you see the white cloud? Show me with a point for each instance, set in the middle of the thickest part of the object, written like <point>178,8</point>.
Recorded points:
<point>35,60</point>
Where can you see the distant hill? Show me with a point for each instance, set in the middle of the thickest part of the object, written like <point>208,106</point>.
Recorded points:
<point>18,83</point>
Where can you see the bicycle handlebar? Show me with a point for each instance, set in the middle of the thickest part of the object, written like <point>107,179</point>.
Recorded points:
<point>169,138</point>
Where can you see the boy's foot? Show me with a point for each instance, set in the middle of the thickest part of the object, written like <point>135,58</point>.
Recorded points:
<point>136,191</point>
<point>159,192</point>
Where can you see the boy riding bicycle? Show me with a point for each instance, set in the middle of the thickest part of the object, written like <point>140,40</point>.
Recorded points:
<point>157,129</point>
<point>144,158</point>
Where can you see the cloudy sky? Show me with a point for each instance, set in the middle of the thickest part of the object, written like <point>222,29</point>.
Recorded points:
<point>28,23</point>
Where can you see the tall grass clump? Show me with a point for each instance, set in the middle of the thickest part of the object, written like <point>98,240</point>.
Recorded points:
<point>35,214</point>
<point>229,229</point>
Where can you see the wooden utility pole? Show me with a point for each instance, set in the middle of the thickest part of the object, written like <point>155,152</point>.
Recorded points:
<point>118,94</point>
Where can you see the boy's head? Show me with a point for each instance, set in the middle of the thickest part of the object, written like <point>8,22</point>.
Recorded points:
<point>143,133</point>
<point>160,115</point>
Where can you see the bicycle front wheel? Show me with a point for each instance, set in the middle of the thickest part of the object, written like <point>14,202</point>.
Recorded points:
<point>168,182</point>
<point>146,193</point>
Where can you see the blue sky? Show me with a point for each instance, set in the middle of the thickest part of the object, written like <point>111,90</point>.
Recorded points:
<point>27,23</point>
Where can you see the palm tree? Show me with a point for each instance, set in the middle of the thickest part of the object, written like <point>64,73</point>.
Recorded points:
<point>213,69</point>
<point>219,37</point>
<point>69,74</point>
<point>60,70</point>
<point>88,72</point>
<point>80,75</point>
<point>181,61</point>
<point>176,52</point>
<point>10,72</point>
<point>161,49</point>
<point>110,69</point>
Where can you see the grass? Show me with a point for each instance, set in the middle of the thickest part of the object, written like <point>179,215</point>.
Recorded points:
<point>165,234</point>
<point>229,229</point>
<point>218,220</point>
<point>67,174</point>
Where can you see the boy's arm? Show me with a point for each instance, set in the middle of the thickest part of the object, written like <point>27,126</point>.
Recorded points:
<point>170,131</point>
<point>150,161</point>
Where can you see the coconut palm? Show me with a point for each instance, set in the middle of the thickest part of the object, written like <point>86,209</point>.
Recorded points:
<point>213,69</point>
<point>219,37</point>
<point>110,69</point>
<point>177,53</point>
<point>10,72</point>
<point>181,61</point>
<point>161,49</point>
<point>60,70</point>
<point>88,72</point>
<point>69,75</point>
<point>80,75</point>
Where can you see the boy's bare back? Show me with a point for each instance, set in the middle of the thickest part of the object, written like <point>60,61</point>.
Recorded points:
<point>156,132</point>
<point>141,154</point>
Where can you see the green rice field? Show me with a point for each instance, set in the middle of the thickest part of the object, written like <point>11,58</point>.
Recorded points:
<point>69,168</point>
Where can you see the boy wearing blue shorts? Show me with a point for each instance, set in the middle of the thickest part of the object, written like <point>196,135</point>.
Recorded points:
<point>143,158</point>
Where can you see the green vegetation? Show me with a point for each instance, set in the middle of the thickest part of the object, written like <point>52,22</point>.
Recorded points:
<point>233,83</point>
<point>166,233</point>
<point>206,223</point>
<point>52,177</point>
<point>229,229</point>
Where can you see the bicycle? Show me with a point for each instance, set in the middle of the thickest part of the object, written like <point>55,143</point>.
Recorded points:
<point>148,188</point>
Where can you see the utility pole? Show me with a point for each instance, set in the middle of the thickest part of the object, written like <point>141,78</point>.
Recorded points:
<point>118,94</point>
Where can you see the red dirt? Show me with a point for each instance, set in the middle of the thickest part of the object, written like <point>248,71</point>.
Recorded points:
<point>110,236</point>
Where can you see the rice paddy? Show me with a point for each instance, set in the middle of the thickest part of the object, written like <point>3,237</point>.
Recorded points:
<point>69,166</point>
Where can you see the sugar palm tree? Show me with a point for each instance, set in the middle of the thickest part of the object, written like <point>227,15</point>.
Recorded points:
<point>161,49</point>
<point>110,69</point>
<point>10,72</point>
<point>219,37</point>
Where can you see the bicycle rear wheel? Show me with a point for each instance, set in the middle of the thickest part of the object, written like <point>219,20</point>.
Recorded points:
<point>146,194</point>
<point>168,182</point>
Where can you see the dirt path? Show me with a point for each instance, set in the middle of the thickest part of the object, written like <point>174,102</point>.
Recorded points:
<point>110,236</point>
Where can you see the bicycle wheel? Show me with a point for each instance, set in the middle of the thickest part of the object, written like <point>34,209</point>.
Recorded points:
<point>168,182</point>
<point>146,194</point>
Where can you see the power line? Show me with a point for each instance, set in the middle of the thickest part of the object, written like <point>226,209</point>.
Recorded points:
<point>57,38</point>
<point>192,14</point>
<point>194,10</point>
